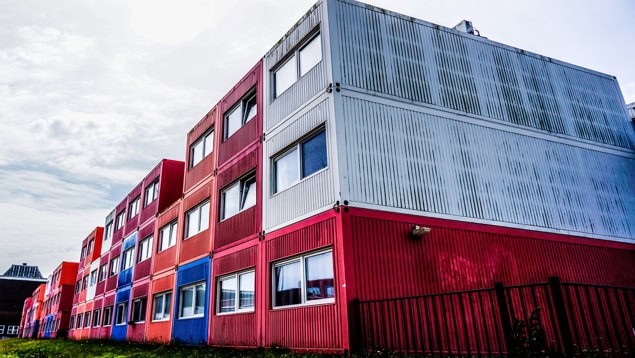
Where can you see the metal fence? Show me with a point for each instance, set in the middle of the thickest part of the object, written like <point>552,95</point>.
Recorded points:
<point>546,318</point>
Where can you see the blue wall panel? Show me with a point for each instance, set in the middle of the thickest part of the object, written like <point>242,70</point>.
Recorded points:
<point>192,330</point>
<point>125,276</point>
<point>119,331</point>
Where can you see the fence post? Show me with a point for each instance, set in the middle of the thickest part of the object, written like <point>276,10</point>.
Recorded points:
<point>355,327</point>
<point>504,315</point>
<point>561,315</point>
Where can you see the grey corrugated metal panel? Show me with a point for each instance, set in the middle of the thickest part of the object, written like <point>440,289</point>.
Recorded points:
<point>407,159</point>
<point>312,193</point>
<point>307,86</point>
<point>110,217</point>
<point>421,62</point>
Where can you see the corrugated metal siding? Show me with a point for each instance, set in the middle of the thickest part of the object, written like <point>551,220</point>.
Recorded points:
<point>308,85</point>
<point>426,63</point>
<point>143,269</point>
<point>168,257</point>
<point>171,185</point>
<point>111,282</point>
<point>194,330</point>
<point>316,191</point>
<point>454,259</point>
<point>133,223</point>
<point>200,244</point>
<point>205,168</point>
<point>309,326</point>
<point>412,160</point>
<point>160,331</point>
<point>118,332</point>
<point>237,227</point>
<point>252,130</point>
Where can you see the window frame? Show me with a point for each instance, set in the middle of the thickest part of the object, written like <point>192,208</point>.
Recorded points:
<point>196,207</point>
<point>241,182</point>
<point>148,239</point>
<point>91,246</point>
<point>142,305</point>
<point>298,146</point>
<point>124,315</point>
<point>154,195</point>
<point>125,258</point>
<point>92,281</point>
<point>87,319</point>
<point>120,220</point>
<point>241,104</point>
<point>302,260</point>
<point>13,330</point>
<point>103,318</point>
<point>103,273</point>
<point>172,227</point>
<point>78,321</point>
<point>237,309</point>
<point>294,55</point>
<point>114,263</point>
<point>201,140</point>
<point>164,300</point>
<point>97,317</point>
<point>133,207</point>
<point>108,230</point>
<point>194,302</point>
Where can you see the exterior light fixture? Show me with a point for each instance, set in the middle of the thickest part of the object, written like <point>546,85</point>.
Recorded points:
<point>419,231</point>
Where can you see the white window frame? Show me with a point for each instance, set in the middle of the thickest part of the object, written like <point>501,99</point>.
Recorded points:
<point>109,323</point>
<point>87,319</point>
<point>123,304</point>
<point>120,220</point>
<point>1,329</point>
<point>84,252</point>
<point>97,316</point>
<point>133,208</point>
<point>163,296</point>
<point>171,229</point>
<point>103,273</point>
<point>185,287</point>
<point>114,264</point>
<point>91,246</point>
<point>295,56</point>
<point>144,251</point>
<point>93,278</point>
<point>302,260</point>
<point>78,321</point>
<point>71,324</point>
<point>198,208</point>
<point>240,105</point>
<point>237,308</point>
<point>127,259</point>
<point>13,330</point>
<point>201,141</point>
<point>109,230</point>
<point>242,183</point>
<point>151,192</point>
<point>143,305</point>
<point>298,146</point>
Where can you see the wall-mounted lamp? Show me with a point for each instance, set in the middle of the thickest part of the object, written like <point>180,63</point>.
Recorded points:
<point>419,231</point>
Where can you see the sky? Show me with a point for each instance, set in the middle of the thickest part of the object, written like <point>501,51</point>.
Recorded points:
<point>93,94</point>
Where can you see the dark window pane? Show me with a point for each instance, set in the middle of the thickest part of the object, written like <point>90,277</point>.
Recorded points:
<point>314,154</point>
<point>288,284</point>
<point>319,277</point>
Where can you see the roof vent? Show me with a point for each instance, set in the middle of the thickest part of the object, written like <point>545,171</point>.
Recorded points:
<point>467,27</point>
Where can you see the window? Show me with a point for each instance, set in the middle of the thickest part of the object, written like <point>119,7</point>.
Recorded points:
<point>83,251</point>
<point>297,65</point>
<point>91,245</point>
<point>201,147</point>
<point>107,321</point>
<point>93,278</point>
<point>78,323</point>
<point>167,236</point>
<point>96,317</point>
<point>86,319</point>
<point>2,329</point>
<point>78,286</point>
<point>114,266</point>
<point>238,196</point>
<point>197,219</point>
<point>103,271</point>
<point>72,324</point>
<point>241,113</point>
<point>145,249</point>
<point>303,280</point>
<point>127,259</point>
<point>108,231</point>
<point>121,217</point>
<point>139,310</point>
<point>161,306</point>
<point>236,292</point>
<point>120,315</point>
<point>84,282</point>
<point>12,330</point>
<point>151,193</point>
<point>192,301</point>
<point>302,160</point>
<point>133,209</point>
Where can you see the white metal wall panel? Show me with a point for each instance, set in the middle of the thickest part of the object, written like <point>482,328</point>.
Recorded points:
<point>399,56</point>
<point>412,160</point>
<point>308,85</point>
<point>313,193</point>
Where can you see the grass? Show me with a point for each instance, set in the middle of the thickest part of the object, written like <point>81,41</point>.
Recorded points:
<point>61,348</point>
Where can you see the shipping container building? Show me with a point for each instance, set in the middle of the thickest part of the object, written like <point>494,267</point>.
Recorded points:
<point>34,312</point>
<point>23,318</point>
<point>58,301</point>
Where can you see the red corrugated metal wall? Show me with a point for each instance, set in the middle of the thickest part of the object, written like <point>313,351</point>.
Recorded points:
<point>171,186</point>
<point>111,281</point>
<point>239,329</point>
<point>198,245</point>
<point>151,210</point>
<point>95,332</point>
<point>137,331</point>
<point>132,223</point>
<point>205,168</point>
<point>458,256</point>
<point>142,269</point>
<point>160,331</point>
<point>319,326</point>
<point>118,234</point>
<point>167,258</point>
